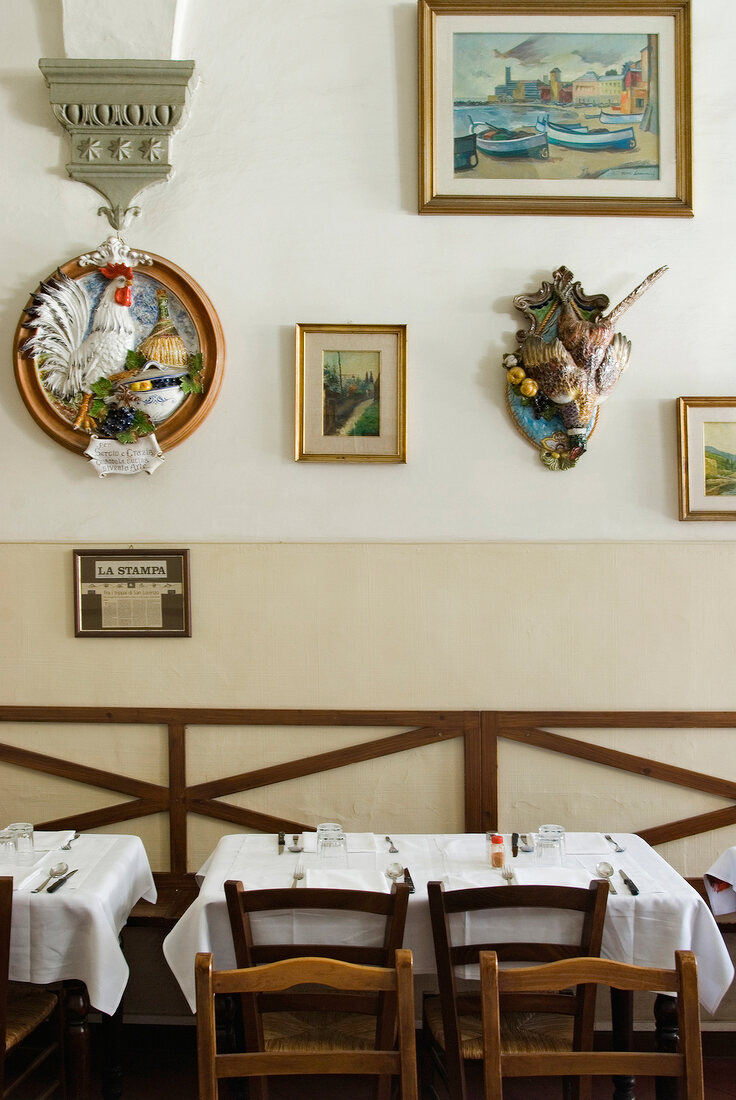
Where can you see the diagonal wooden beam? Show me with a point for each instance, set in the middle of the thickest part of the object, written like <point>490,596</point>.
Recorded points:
<point>689,826</point>
<point>326,761</point>
<point>108,815</point>
<point>623,761</point>
<point>80,773</point>
<point>249,819</point>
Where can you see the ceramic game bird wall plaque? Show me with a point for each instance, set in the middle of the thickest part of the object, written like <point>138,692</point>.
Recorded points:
<point>566,364</point>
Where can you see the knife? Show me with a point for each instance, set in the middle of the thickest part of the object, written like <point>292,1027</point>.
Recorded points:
<point>56,885</point>
<point>409,880</point>
<point>514,844</point>
<point>282,840</point>
<point>634,889</point>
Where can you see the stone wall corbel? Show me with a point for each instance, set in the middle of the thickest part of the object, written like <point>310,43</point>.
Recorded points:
<point>120,116</point>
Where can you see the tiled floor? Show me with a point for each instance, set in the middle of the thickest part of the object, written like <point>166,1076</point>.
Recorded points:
<point>162,1062</point>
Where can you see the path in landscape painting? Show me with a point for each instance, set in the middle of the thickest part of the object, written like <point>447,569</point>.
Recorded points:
<point>566,164</point>
<point>355,416</point>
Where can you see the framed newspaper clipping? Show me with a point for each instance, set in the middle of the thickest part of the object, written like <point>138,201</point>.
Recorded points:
<point>132,594</point>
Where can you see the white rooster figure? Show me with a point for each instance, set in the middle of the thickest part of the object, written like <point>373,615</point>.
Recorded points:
<point>78,346</point>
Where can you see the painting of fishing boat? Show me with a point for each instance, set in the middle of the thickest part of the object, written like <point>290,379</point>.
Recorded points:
<point>614,86</point>
<point>465,152</point>
<point>498,142</point>
<point>613,117</point>
<point>580,137</point>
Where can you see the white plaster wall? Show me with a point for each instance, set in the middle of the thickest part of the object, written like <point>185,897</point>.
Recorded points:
<point>295,200</point>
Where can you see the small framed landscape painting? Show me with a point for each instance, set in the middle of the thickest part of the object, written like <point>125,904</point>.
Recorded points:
<point>532,107</point>
<point>707,456</point>
<point>351,393</point>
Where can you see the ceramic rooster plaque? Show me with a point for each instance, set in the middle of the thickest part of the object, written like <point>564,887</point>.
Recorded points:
<point>567,362</point>
<point>119,355</point>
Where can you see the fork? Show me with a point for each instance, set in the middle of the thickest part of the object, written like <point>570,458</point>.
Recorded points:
<point>67,846</point>
<point>508,874</point>
<point>298,873</point>
<point>391,846</point>
<point>616,846</point>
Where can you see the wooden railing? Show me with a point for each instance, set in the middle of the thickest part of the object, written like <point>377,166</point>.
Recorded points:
<point>481,732</point>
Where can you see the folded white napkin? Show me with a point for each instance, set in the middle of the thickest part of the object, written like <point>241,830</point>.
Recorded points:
<point>22,874</point>
<point>356,842</point>
<point>634,871</point>
<point>719,883</point>
<point>50,842</point>
<point>586,844</point>
<point>470,847</point>
<point>348,879</point>
<point>552,876</point>
<point>462,880</point>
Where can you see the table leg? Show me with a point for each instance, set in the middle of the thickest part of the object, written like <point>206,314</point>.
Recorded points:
<point>668,1041</point>
<point>111,1034</point>
<point>76,1039</point>
<point>622,1028</point>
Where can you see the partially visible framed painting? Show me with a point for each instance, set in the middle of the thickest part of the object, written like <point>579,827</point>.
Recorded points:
<point>577,107</point>
<point>707,457</point>
<point>351,393</point>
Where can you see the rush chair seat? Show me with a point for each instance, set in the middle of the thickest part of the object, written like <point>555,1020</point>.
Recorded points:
<point>686,1066</point>
<point>397,1059</point>
<point>308,1020</point>
<point>29,1059</point>
<point>452,1026</point>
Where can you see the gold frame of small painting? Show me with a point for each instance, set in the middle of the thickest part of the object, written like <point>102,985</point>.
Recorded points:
<point>706,448</point>
<point>643,169</point>
<point>350,393</point>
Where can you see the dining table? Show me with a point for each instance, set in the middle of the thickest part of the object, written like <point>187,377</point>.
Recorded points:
<point>71,935</point>
<point>643,929</point>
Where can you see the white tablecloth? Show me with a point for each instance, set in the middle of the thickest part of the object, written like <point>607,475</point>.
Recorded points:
<point>644,930</point>
<point>722,891</point>
<point>73,933</point>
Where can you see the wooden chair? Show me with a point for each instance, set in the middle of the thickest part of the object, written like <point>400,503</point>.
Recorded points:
<point>687,1066</point>
<point>309,1020</point>
<point>26,1054</point>
<point>396,981</point>
<point>452,1030</point>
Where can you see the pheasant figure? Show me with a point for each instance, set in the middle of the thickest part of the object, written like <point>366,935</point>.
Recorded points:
<point>577,368</point>
<point>77,344</point>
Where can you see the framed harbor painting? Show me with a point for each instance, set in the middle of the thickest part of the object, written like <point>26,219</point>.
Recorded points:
<point>351,393</point>
<point>707,457</point>
<point>579,107</point>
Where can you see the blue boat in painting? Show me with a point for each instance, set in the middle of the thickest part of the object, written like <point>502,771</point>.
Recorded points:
<point>580,137</point>
<point>615,118</point>
<point>495,142</point>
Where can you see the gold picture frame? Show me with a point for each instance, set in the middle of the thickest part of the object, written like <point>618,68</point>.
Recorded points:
<point>464,169</point>
<point>706,450</point>
<point>132,594</point>
<point>350,393</point>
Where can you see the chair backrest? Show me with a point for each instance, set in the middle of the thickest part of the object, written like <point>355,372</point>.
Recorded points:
<point>6,912</point>
<point>489,902</point>
<point>687,1065</point>
<point>395,981</point>
<point>389,911</point>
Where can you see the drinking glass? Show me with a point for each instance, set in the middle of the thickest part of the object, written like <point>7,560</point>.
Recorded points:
<point>7,847</point>
<point>549,845</point>
<point>22,832</point>
<point>332,849</point>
